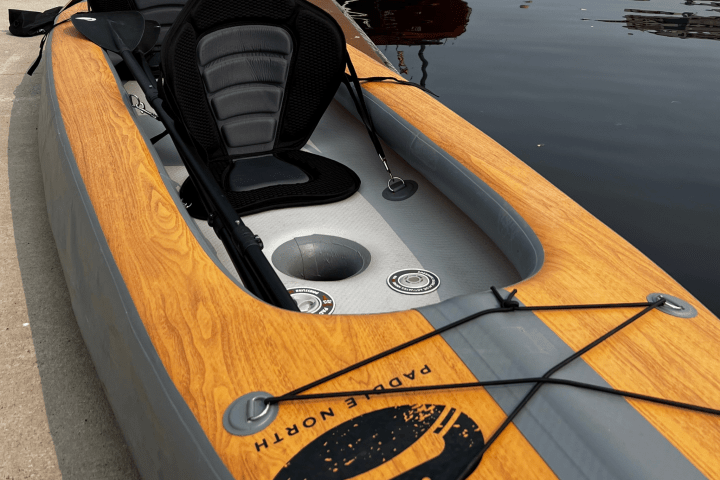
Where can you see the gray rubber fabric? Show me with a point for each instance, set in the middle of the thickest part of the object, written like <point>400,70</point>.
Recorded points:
<point>492,213</point>
<point>580,434</point>
<point>443,238</point>
<point>163,435</point>
<point>244,71</point>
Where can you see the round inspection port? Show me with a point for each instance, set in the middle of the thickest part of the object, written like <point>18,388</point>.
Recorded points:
<point>413,281</point>
<point>321,258</point>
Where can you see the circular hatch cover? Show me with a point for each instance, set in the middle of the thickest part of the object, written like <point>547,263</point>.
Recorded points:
<point>413,281</point>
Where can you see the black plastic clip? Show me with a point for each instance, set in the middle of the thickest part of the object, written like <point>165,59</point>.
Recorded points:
<point>506,302</point>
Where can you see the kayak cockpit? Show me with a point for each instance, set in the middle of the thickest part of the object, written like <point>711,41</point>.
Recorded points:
<point>349,249</point>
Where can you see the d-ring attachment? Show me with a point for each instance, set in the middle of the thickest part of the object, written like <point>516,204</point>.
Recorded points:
<point>669,304</point>
<point>390,182</point>
<point>674,306</point>
<point>140,106</point>
<point>240,418</point>
<point>253,418</point>
<point>399,193</point>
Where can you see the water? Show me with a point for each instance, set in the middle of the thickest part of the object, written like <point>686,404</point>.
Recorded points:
<point>625,121</point>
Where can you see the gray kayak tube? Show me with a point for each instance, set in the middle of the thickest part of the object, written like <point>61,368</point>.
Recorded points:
<point>492,213</point>
<point>164,437</point>
<point>579,433</point>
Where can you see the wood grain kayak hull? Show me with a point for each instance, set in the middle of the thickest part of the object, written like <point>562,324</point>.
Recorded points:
<point>176,340</point>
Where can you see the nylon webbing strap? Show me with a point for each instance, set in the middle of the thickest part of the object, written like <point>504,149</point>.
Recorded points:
<point>36,63</point>
<point>361,107</point>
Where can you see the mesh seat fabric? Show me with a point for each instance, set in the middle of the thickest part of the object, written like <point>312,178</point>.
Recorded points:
<point>252,78</point>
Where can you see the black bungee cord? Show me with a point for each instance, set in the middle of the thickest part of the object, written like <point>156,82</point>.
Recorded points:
<point>397,81</point>
<point>507,304</point>
<point>475,461</point>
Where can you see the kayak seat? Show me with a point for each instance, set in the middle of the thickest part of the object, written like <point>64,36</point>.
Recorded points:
<point>285,179</point>
<point>248,83</point>
<point>163,12</point>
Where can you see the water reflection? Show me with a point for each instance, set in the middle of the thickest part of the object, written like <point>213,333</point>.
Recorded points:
<point>410,22</point>
<point>671,24</point>
<point>627,124</point>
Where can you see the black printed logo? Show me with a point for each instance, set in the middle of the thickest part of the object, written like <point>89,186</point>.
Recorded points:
<point>434,442</point>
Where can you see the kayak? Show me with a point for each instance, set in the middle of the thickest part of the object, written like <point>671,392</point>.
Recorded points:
<point>485,326</point>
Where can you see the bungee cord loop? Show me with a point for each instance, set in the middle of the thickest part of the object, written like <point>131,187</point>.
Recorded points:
<point>506,305</point>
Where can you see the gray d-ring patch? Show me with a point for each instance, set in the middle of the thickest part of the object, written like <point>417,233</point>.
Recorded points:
<point>673,305</point>
<point>249,414</point>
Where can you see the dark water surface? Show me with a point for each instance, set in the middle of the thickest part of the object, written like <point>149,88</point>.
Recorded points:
<point>616,102</point>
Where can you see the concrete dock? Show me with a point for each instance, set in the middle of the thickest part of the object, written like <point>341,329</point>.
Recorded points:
<point>55,422</point>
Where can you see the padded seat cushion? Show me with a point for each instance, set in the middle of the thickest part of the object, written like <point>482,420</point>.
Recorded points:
<point>329,181</point>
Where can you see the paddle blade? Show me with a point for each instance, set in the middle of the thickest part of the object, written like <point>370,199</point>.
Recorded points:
<point>150,36</point>
<point>111,30</point>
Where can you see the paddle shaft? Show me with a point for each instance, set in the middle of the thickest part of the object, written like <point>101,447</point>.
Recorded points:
<point>245,252</point>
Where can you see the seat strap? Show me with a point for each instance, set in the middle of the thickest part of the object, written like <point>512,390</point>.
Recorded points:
<point>43,23</point>
<point>36,63</point>
<point>395,184</point>
<point>395,80</point>
<point>359,100</point>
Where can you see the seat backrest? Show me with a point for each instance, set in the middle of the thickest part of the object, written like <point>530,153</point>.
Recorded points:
<point>163,12</point>
<point>251,76</point>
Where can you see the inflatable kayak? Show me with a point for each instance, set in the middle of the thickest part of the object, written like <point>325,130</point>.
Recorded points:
<point>473,323</point>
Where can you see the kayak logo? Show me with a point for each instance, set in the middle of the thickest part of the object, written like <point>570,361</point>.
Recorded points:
<point>87,19</point>
<point>404,442</point>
